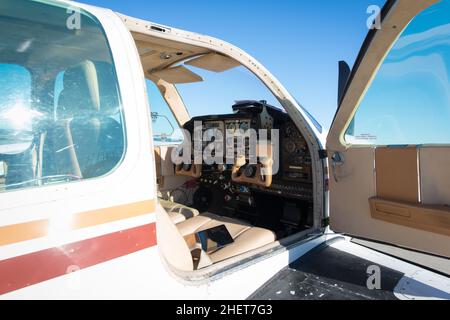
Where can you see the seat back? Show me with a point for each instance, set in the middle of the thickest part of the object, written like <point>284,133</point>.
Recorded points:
<point>86,140</point>
<point>171,243</point>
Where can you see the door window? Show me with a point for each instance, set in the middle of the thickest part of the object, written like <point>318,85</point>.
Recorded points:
<point>15,109</point>
<point>408,102</point>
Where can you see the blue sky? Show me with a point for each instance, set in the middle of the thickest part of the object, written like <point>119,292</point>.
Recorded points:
<point>299,41</point>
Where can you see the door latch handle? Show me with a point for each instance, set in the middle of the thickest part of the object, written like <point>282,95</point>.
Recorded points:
<point>337,160</point>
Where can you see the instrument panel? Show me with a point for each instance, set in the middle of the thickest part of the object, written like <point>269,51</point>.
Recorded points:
<point>237,124</point>
<point>228,129</point>
<point>296,158</point>
<point>210,135</point>
<point>294,176</point>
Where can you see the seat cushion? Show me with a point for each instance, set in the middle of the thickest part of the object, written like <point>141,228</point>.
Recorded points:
<point>252,238</point>
<point>191,225</point>
<point>245,236</point>
<point>178,212</point>
<point>208,220</point>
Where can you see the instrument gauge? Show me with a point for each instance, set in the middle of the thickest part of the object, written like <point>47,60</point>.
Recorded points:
<point>291,131</point>
<point>250,171</point>
<point>288,130</point>
<point>231,126</point>
<point>290,146</point>
<point>244,126</point>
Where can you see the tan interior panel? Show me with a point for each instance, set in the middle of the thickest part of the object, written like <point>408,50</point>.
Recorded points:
<point>169,179</point>
<point>387,176</point>
<point>213,62</point>
<point>430,218</point>
<point>434,175</point>
<point>355,184</point>
<point>157,53</point>
<point>173,99</point>
<point>397,174</point>
<point>167,164</point>
<point>177,75</point>
<point>195,171</point>
<point>351,213</point>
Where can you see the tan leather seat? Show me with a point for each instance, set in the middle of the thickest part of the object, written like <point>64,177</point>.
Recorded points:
<point>245,236</point>
<point>178,212</point>
<point>172,240</point>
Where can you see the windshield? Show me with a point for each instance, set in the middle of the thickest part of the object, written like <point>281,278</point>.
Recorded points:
<point>220,91</point>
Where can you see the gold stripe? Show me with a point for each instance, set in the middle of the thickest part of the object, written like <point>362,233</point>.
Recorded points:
<point>23,231</point>
<point>39,228</point>
<point>96,217</point>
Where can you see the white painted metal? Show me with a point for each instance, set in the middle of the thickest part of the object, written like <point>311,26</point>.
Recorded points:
<point>417,283</point>
<point>135,174</point>
<point>141,276</point>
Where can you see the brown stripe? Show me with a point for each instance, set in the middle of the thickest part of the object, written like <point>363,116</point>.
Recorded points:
<point>39,228</point>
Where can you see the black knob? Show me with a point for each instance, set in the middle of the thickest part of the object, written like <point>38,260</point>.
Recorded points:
<point>250,171</point>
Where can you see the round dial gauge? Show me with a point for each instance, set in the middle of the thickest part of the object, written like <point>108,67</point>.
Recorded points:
<point>231,126</point>
<point>244,126</point>
<point>291,131</point>
<point>288,131</point>
<point>289,146</point>
<point>250,171</point>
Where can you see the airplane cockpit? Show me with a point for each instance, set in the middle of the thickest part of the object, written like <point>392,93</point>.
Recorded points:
<point>280,175</point>
<point>244,176</point>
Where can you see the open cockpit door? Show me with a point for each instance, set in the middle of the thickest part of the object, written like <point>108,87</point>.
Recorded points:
<point>389,144</point>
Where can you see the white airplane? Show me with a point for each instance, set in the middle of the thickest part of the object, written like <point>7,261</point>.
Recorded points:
<point>92,207</point>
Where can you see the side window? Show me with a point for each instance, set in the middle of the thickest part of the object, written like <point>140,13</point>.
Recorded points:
<point>165,128</point>
<point>15,108</point>
<point>60,111</point>
<point>57,92</point>
<point>408,102</point>
<point>16,115</point>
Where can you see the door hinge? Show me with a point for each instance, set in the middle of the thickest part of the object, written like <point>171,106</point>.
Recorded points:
<point>323,154</point>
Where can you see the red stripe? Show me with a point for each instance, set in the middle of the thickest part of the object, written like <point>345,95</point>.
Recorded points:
<point>29,269</point>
